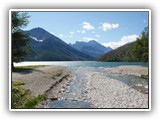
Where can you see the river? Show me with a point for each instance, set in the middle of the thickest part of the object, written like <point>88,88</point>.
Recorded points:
<point>81,63</point>
<point>76,95</point>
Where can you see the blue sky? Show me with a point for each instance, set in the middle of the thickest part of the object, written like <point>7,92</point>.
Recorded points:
<point>108,28</point>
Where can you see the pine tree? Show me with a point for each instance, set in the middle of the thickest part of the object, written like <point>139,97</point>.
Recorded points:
<point>140,48</point>
<point>20,40</point>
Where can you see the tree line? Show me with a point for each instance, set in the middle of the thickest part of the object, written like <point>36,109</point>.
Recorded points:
<point>140,48</point>
<point>132,52</point>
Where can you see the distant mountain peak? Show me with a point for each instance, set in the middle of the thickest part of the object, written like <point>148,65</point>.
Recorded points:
<point>39,34</point>
<point>38,28</point>
<point>92,48</point>
<point>44,46</point>
<point>92,41</point>
<point>80,42</point>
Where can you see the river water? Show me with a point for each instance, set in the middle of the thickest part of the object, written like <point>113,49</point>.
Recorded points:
<point>76,95</point>
<point>81,63</point>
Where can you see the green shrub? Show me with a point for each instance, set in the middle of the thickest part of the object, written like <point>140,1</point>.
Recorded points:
<point>21,98</point>
<point>31,103</point>
<point>145,76</point>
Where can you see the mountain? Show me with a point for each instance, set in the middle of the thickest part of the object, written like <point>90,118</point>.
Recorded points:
<point>91,48</point>
<point>121,54</point>
<point>137,51</point>
<point>46,47</point>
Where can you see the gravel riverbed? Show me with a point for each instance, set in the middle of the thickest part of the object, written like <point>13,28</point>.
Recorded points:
<point>105,92</point>
<point>99,90</point>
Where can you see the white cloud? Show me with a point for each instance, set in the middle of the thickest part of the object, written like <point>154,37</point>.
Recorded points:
<point>87,26</point>
<point>61,35</point>
<point>83,31</point>
<point>124,40</point>
<point>52,33</point>
<point>88,39</point>
<point>98,36</point>
<point>108,26</point>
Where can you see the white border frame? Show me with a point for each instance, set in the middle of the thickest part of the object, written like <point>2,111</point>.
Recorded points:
<point>80,10</point>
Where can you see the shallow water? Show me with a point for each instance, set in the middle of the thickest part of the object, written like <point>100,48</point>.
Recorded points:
<point>69,104</point>
<point>76,95</point>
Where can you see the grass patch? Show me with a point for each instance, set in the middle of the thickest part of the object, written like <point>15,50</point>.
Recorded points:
<point>27,68</point>
<point>30,67</point>
<point>57,73</point>
<point>145,76</point>
<point>31,103</point>
<point>21,98</point>
<point>16,87</point>
<point>18,83</point>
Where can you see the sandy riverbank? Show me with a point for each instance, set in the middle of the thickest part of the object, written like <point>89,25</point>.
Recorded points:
<point>42,81</point>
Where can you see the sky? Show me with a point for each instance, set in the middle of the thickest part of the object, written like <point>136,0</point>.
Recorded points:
<point>111,29</point>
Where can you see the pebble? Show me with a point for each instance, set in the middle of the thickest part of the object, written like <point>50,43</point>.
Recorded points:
<point>139,85</point>
<point>146,86</point>
<point>105,92</point>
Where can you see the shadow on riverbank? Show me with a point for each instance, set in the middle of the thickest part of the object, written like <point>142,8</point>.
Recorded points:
<point>26,69</point>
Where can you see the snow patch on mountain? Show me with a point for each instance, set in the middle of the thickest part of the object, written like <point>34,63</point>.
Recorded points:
<point>34,38</point>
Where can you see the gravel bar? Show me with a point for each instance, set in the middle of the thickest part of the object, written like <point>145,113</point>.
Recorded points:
<point>105,92</point>
<point>40,80</point>
<point>102,91</point>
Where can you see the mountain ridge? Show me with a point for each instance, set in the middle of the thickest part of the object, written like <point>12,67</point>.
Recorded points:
<point>92,48</point>
<point>121,54</point>
<point>51,48</point>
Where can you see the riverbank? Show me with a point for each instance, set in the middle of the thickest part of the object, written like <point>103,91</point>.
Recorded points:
<point>105,92</point>
<point>50,81</point>
<point>130,70</point>
<point>88,85</point>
